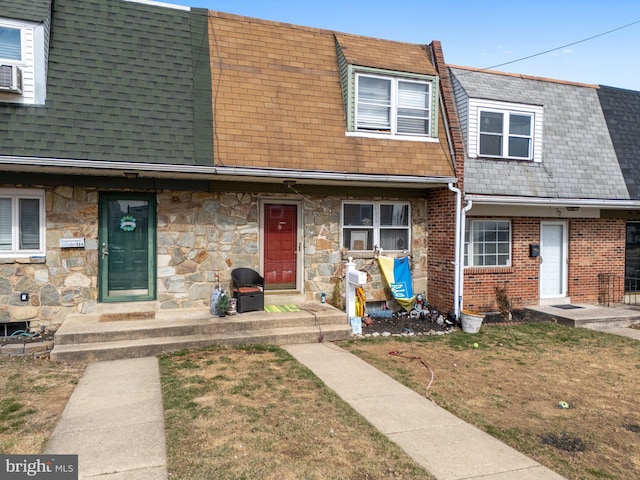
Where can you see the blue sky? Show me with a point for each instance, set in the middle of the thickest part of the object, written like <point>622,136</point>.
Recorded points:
<point>482,33</point>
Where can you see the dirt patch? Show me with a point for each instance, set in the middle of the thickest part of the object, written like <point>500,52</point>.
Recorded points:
<point>563,442</point>
<point>433,322</point>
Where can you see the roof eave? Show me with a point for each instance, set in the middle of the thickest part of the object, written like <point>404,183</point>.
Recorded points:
<point>62,166</point>
<point>552,202</point>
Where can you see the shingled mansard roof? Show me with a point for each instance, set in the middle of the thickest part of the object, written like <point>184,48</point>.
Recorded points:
<point>126,81</point>
<point>578,157</point>
<point>622,112</point>
<point>32,10</point>
<point>278,100</point>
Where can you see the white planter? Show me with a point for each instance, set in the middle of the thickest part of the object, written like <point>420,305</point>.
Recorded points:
<point>471,322</point>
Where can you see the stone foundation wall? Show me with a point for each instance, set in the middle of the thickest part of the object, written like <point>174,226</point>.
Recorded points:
<point>200,236</point>
<point>65,281</point>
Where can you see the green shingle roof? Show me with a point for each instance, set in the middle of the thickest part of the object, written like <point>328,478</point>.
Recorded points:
<point>126,82</point>
<point>31,10</point>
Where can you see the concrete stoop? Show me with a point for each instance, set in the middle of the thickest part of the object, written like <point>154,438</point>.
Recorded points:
<point>592,316</point>
<point>147,332</point>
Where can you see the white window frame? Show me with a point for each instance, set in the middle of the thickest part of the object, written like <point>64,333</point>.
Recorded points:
<point>506,135</point>
<point>20,28</point>
<point>16,195</point>
<point>394,78</point>
<point>34,44</point>
<point>470,244</point>
<point>375,228</point>
<point>535,112</point>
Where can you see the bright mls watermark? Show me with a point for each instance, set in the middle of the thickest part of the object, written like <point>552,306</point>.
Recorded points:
<point>39,467</point>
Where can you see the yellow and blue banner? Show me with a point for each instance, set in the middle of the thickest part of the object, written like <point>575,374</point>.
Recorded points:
<point>397,273</point>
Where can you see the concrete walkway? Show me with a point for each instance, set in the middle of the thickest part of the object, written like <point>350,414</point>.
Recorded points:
<point>621,331</point>
<point>444,445</point>
<point>114,422</point>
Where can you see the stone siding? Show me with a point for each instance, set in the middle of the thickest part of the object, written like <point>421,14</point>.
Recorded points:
<point>201,236</point>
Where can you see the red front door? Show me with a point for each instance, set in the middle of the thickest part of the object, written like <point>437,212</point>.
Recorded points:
<point>280,246</point>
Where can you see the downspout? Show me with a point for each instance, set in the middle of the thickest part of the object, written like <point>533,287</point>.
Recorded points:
<point>457,295</point>
<point>463,220</point>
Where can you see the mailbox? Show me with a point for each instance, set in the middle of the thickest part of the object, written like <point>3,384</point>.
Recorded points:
<point>357,277</point>
<point>72,243</point>
<point>534,250</point>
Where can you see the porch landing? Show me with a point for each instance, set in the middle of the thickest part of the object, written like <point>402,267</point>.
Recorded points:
<point>128,330</point>
<point>592,316</point>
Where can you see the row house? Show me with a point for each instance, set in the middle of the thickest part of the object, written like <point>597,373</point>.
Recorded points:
<point>148,150</point>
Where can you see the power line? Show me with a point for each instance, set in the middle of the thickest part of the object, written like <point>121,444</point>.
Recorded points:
<point>563,46</point>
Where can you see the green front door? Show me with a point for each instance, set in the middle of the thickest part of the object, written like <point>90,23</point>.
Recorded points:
<point>126,249</point>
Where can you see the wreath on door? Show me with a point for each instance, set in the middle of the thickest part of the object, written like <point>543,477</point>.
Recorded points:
<point>127,223</point>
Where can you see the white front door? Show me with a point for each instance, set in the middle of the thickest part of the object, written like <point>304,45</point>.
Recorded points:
<point>553,259</point>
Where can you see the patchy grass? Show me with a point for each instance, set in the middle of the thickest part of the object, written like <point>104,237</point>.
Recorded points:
<point>512,384</point>
<point>255,412</point>
<point>33,395</point>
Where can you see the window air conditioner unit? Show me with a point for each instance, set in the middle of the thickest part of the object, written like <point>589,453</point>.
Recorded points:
<point>10,79</point>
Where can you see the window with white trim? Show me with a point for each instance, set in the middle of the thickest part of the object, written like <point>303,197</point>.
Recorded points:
<point>10,44</point>
<point>506,134</point>
<point>385,224</point>
<point>23,59</point>
<point>487,243</point>
<point>22,223</point>
<point>505,130</point>
<point>392,105</point>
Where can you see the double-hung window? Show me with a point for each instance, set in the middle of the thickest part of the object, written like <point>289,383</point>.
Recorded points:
<point>385,224</point>
<point>393,106</point>
<point>506,134</point>
<point>22,223</point>
<point>487,243</point>
<point>10,44</point>
<point>505,130</point>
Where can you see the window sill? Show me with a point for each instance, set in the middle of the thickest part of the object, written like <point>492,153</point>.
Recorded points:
<point>388,136</point>
<point>488,270</point>
<point>510,159</point>
<point>370,254</point>
<point>27,260</point>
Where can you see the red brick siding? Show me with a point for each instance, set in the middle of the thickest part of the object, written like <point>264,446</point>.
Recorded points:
<point>595,246</point>
<point>441,249</point>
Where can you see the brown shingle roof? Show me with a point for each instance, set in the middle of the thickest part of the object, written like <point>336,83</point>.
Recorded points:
<point>385,54</point>
<point>278,103</point>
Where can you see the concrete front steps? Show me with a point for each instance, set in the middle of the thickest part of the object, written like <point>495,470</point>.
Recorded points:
<point>592,316</point>
<point>140,329</point>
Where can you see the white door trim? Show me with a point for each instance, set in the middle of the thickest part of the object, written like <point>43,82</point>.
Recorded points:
<point>557,258</point>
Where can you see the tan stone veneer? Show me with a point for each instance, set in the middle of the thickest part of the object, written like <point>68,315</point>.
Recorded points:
<point>199,235</point>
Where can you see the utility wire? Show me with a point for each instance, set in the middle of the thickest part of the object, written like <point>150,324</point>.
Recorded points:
<point>563,46</point>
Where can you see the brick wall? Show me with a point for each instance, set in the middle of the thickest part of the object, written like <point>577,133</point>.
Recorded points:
<point>441,248</point>
<point>595,246</point>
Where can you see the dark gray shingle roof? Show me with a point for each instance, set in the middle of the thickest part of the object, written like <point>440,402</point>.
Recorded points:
<point>120,87</point>
<point>578,158</point>
<point>31,10</point>
<point>622,112</point>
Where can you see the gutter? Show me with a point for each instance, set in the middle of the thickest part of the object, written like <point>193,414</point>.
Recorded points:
<point>314,176</point>
<point>551,202</point>
<point>265,175</point>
